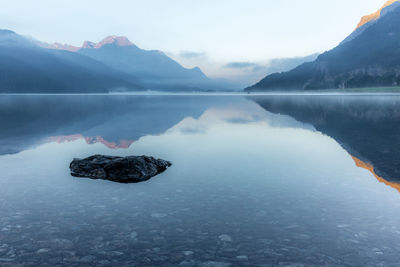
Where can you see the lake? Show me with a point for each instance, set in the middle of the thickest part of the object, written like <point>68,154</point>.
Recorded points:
<point>256,181</point>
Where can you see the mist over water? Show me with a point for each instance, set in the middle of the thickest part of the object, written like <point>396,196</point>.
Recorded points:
<point>255,180</point>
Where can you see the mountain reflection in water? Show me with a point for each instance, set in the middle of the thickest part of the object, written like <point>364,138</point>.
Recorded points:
<point>121,144</point>
<point>367,127</point>
<point>115,121</point>
<point>369,167</point>
<point>248,186</point>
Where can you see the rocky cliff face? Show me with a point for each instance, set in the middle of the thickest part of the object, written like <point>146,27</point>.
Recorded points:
<point>374,16</point>
<point>370,57</point>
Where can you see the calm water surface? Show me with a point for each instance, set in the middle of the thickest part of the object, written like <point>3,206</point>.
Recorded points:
<point>255,181</point>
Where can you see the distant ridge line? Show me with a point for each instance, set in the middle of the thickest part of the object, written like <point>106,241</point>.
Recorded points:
<point>112,39</point>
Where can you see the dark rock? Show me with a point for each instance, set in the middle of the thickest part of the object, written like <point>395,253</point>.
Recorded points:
<point>131,169</point>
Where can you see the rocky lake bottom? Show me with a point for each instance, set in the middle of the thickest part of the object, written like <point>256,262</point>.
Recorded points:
<point>253,183</point>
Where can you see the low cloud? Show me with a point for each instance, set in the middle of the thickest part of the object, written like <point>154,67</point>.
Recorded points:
<point>273,65</point>
<point>241,65</point>
<point>192,54</point>
<point>249,72</point>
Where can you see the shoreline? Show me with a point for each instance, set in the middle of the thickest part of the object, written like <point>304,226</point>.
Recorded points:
<point>153,93</point>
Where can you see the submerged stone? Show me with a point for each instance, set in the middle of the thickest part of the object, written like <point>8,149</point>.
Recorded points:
<point>132,169</point>
<point>225,238</point>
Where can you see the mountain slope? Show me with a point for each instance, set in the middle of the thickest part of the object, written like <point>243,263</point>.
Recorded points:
<point>154,69</point>
<point>374,16</point>
<point>123,55</point>
<point>369,58</point>
<point>28,68</point>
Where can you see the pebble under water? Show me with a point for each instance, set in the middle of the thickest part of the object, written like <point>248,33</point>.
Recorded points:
<point>247,188</point>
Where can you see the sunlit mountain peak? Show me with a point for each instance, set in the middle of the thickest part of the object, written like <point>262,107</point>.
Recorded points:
<point>376,15</point>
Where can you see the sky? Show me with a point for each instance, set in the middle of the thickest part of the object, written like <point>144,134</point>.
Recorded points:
<point>211,34</point>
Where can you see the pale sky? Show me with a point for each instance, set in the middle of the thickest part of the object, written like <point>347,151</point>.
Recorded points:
<point>208,33</point>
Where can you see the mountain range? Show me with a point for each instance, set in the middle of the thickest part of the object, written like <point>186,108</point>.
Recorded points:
<point>369,57</point>
<point>114,64</point>
<point>152,68</point>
